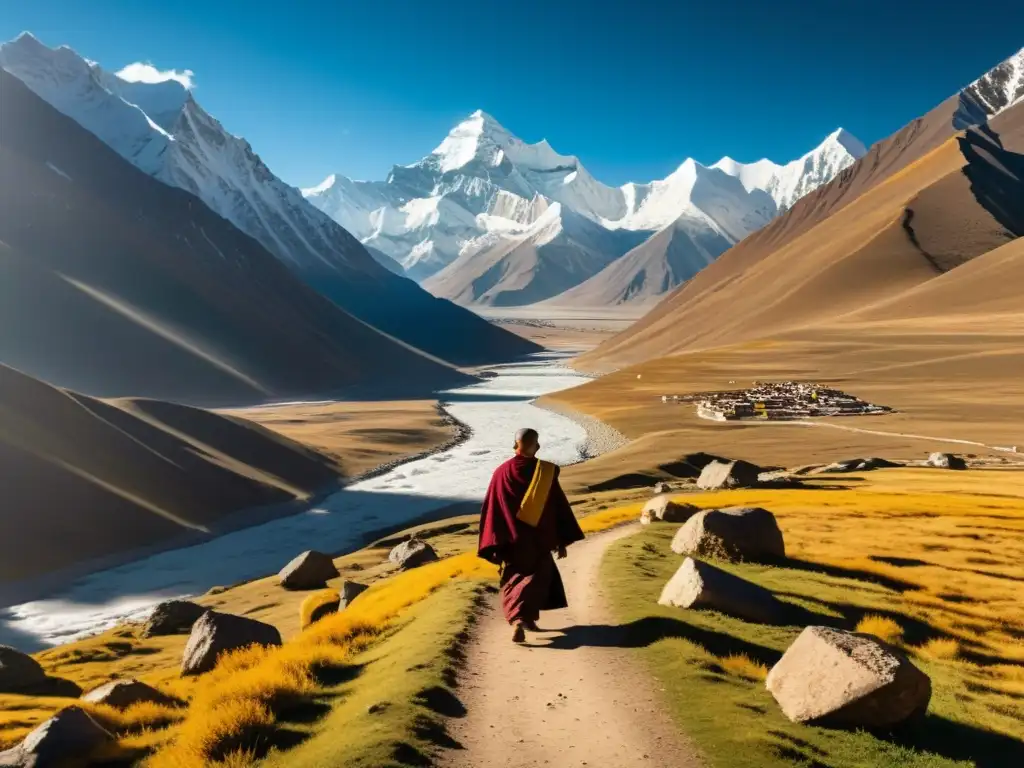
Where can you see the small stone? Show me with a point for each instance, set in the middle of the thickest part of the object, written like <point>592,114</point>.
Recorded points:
<point>310,570</point>
<point>122,694</point>
<point>412,554</point>
<point>172,617</point>
<point>216,633</point>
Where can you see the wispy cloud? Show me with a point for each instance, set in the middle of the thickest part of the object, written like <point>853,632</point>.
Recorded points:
<point>142,72</point>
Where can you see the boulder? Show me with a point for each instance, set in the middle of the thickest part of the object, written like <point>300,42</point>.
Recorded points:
<point>732,474</point>
<point>660,488</point>
<point>121,694</point>
<point>412,553</point>
<point>70,735</point>
<point>665,509</point>
<point>701,585</point>
<point>349,591</point>
<point>846,679</point>
<point>733,533</point>
<point>172,617</point>
<point>946,461</point>
<point>18,671</point>
<point>310,570</point>
<point>216,633</point>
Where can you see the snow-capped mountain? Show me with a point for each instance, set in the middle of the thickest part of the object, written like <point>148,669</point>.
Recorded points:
<point>994,92</point>
<point>484,196</point>
<point>162,129</point>
<point>788,183</point>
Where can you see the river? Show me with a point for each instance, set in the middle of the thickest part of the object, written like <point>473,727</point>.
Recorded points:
<point>494,409</point>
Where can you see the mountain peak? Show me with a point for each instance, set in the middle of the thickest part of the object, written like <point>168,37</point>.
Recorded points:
<point>320,188</point>
<point>847,141</point>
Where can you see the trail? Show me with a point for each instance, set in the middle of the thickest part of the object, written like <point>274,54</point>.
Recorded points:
<point>911,436</point>
<point>573,697</point>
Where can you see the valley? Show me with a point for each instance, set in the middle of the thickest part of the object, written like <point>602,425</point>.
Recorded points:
<point>491,462</point>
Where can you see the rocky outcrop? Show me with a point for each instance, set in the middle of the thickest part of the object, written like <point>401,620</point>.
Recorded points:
<point>70,735</point>
<point>734,533</point>
<point>665,509</point>
<point>845,679</point>
<point>701,585</point>
<point>18,671</point>
<point>122,694</point>
<point>719,475</point>
<point>172,617</point>
<point>215,633</point>
<point>946,461</point>
<point>858,465</point>
<point>412,553</point>
<point>310,570</point>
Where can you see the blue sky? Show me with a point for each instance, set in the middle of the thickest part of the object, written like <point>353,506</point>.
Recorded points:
<point>632,88</point>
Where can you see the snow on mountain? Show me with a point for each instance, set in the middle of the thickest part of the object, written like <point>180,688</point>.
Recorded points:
<point>160,128</point>
<point>995,91</point>
<point>788,183</point>
<point>483,192</point>
<point>185,147</point>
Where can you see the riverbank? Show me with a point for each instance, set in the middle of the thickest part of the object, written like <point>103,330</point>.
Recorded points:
<point>439,484</point>
<point>601,438</point>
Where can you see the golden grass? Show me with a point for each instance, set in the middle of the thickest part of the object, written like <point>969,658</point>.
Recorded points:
<point>741,665</point>
<point>939,648</point>
<point>881,627</point>
<point>236,704</point>
<point>932,560</point>
<point>315,601</point>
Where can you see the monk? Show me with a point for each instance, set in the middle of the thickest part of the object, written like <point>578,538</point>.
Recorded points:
<point>525,517</point>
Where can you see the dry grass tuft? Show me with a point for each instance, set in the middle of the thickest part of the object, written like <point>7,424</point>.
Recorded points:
<point>234,707</point>
<point>743,666</point>
<point>881,627</point>
<point>939,648</point>
<point>315,601</point>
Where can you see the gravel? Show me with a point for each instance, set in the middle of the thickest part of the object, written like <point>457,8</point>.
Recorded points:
<point>601,438</point>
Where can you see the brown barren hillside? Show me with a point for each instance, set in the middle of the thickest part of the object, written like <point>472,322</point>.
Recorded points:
<point>941,209</point>
<point>117,285</point>
<point>82,478</point>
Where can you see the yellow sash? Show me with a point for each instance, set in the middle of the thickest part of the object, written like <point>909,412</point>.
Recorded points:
<point>536,496</point>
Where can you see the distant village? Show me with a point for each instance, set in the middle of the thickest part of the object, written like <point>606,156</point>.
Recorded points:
<point>777,401</point>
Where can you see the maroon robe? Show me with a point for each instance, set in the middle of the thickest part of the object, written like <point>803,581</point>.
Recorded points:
<point>530,582</point>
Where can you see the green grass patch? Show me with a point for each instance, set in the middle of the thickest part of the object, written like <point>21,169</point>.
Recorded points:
<point>707,664</point>
<point>393,709</point>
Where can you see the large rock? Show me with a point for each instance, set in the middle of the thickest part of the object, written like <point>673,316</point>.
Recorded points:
<point>733,474</point>
<point>846,679</point>
<point>665,509</point>
<point>310,570</point>
<point>701,585</point>
<point>70,735</point>
<point>122,694</point>
<point>733,533</point>
<point>172,617</point>
<point>349,591</point>
<point>215,633</point>
<point>412,553</point>
<point>946,461</point>
<point>18,671</point>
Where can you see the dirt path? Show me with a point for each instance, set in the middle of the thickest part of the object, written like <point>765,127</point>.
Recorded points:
<point>848,428</point>
<point>572,697</point>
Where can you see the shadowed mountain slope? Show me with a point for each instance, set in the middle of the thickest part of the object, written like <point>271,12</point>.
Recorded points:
<point>116,284</point>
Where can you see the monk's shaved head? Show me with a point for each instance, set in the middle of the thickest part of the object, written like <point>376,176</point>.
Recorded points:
<point>527,442</point>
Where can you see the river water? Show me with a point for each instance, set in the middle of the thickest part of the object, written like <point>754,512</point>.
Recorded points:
<point>494,409</point>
